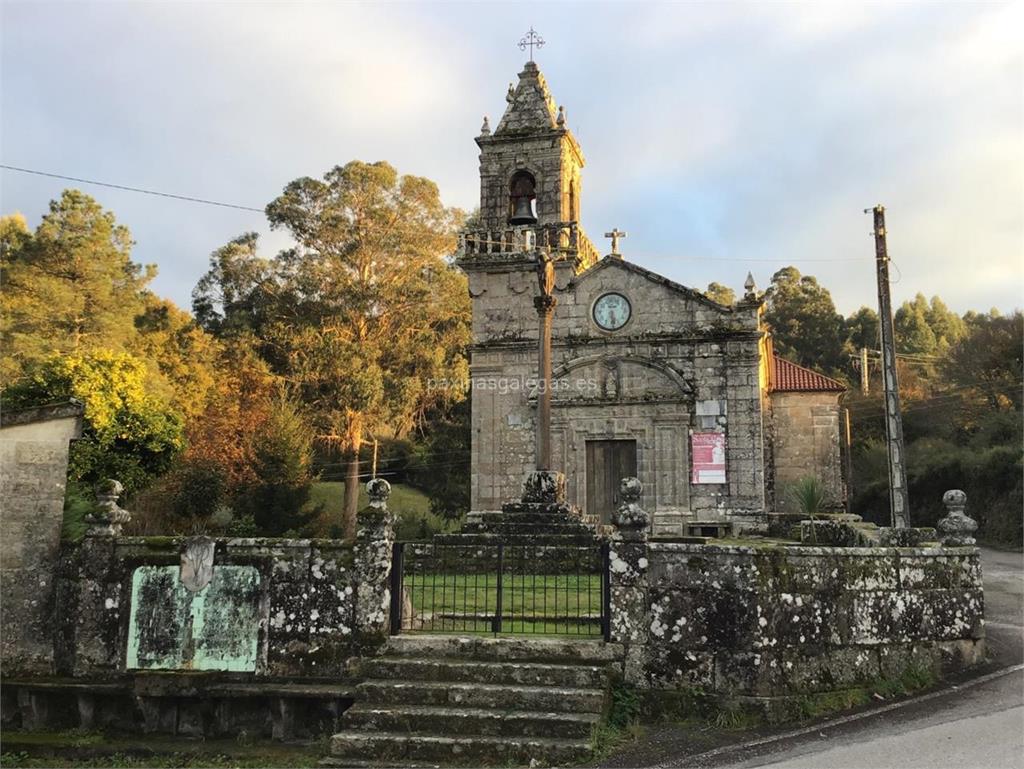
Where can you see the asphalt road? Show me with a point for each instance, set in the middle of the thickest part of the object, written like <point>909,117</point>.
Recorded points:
<point>979,724</point>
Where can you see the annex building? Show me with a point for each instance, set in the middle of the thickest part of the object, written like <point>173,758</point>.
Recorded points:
<point>651,378</point>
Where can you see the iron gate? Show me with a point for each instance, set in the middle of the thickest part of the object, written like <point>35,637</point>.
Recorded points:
<point>500,588</point>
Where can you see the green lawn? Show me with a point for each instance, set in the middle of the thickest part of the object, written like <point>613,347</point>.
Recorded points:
<point>404,499</point>
<point>415,521</point>
<point>552,604</point>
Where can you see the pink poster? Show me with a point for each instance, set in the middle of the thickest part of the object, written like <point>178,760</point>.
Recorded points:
<point>708,452</point>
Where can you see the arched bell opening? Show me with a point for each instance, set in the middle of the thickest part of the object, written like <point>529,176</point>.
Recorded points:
<point>522,197</point>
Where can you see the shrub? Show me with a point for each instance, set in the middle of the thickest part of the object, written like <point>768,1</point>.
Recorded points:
<point>200,490</point>
<point>283,465</point>
<point>809,495</point>
<point>128,434</point>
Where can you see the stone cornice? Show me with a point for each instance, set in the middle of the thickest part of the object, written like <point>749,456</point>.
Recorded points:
<point>63,410</point>
<point>530,343</point>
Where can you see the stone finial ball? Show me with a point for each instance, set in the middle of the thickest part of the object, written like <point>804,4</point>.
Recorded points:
<point>109,488</point>
<point>630,489</point>
<point>954,499</point>
<point>378,489</point>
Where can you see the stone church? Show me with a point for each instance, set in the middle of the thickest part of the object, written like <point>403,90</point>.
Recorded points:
<point>650,378</point>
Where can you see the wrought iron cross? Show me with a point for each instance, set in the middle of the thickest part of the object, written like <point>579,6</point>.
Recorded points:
<point>615,234</point>
<point>531,39</point>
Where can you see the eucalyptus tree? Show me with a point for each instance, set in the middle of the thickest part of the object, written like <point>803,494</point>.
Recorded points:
<point>360,314</point>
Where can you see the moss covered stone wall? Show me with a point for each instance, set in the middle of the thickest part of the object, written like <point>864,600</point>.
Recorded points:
<point>775,621</point>
<point>299,609</point>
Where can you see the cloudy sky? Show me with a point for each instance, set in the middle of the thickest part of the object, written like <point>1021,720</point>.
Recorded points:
<point>723,137</point>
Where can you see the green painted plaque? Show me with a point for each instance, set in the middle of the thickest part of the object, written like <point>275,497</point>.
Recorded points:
<point>216,628</point>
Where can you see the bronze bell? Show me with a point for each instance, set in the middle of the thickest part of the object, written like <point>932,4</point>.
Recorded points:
<point>523,213</point>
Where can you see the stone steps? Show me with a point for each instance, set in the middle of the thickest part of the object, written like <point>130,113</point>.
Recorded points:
<point>509,648</point>
<point>531,517</point>
<point>533,540</point>
<point>527,529</point>
<point>499,697</point>
<point>435,719</point>
<point>388,747</point>
<point>471,671</point>
<point>476,700</point>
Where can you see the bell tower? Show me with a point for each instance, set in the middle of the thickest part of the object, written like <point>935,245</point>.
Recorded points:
<point>530,166</point>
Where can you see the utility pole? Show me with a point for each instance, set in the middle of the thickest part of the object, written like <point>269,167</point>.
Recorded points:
<point>864,379</point>
<point>899,503</point>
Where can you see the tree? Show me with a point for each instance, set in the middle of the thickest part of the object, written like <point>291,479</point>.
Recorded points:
<point>441,464</point>
<point>947,326</point>
<point>231,298</point>
<point>989,361</point>
<point>360,314</point>
<point>69,287</point>
<point>862,329</point>
<point>129,434</point>
<point>803,320</point>
<point>186,357</point>
<point>722,294</point>
<point>283,465</point>
<point>237,410</point>
<point>910,324</point>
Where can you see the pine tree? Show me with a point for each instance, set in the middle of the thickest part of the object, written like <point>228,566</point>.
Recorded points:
<point>69,287</point>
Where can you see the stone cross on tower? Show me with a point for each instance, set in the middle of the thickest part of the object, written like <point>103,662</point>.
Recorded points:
<point>615,234</point>
<point>532,40</point>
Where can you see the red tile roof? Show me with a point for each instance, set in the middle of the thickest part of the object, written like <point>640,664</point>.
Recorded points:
<point>786,376</point>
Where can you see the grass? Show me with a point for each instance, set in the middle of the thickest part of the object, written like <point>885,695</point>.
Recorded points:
<point>415,521</point>
<point>404,499</point>
<point>621,724</point>
<point>74,748</point>
<point>551,604</point>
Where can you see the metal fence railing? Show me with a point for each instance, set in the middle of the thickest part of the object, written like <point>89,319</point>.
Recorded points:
<point>500,588</point>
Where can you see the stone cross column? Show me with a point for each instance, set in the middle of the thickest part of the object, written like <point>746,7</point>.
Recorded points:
<point>545,304</point>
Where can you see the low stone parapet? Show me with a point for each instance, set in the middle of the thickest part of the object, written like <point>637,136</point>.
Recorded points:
<point>774,620</point>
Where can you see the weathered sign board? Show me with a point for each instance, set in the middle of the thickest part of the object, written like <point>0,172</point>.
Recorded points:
<point>215,628</point>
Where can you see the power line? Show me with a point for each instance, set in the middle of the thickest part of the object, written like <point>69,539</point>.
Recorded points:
<point>187,198</point>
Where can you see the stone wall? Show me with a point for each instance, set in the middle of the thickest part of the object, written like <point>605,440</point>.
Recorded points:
<point>805,437</point>
<point>300,614</point>
<point>765,622</point>
<point>34,448</point>
<point>207,637</point>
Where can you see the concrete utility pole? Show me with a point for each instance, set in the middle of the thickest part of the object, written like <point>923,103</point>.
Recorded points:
<point>864,379</point>
<point>899,503</point>
<point>545,304</point>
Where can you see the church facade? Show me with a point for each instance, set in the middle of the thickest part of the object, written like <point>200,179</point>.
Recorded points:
<point>650,378</point>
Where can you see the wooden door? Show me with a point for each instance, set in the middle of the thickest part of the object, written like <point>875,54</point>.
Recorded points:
<point>608,462</point>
